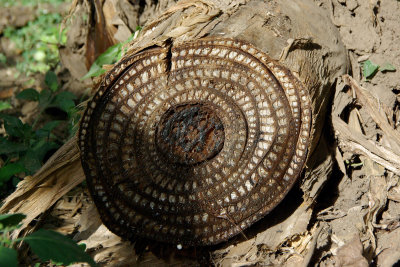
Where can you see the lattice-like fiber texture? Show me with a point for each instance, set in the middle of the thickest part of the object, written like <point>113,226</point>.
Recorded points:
<point>193,143</point>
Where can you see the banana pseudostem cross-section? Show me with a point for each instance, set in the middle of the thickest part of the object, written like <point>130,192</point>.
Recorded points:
<point>193,143</point>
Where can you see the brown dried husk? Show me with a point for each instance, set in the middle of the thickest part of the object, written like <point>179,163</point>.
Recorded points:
<point>298,34</point>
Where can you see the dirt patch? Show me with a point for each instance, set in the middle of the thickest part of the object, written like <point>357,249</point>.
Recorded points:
<point>369,30</point>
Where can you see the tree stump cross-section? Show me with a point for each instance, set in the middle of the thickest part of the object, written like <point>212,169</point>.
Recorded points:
<point>192,143</point>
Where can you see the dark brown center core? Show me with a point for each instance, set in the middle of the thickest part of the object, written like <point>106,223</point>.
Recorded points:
<point>190,134</point>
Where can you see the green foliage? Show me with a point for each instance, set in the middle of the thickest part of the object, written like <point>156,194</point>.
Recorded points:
<point>387,67</point>
<point>7,171</point>
<point>4,105</point>
<point>24,147</point>
<point>51,80</point>
<point>369,69</point>
<point>47,245</point>
<point>3,58</point>
<point>29,94</point>
<point>110,56</point>
<point>50,245</point>
<point>8,257</point>
<point>10,220</point>
<point>8,223</point>
<point>38,42</point>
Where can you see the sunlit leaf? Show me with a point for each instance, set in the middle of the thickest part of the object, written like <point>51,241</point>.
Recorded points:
<point>387,67</point>
<point>95,70</point>
<point>4,105</point>
<point>39,55</point>
<point>369,69</point>
<point>110,56</point>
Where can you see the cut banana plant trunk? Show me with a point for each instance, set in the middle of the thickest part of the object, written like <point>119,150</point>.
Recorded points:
<point>204,126</point>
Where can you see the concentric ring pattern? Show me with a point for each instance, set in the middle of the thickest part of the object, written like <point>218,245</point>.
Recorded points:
<point>193,143</point>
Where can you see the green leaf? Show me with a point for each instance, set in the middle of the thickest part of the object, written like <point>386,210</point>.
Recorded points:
<point>50,245</point>
<point>133,35</point>
<point>3,58</point>
<point>29,94</point>
<point>12,219</point>
<point>42,147</point>
<point>31,161</point>
<point>44,98</point>
<point>82,246</point>
<point>4,105</point>
<point>51,80</point>
<point>65,101</point>
<point>369,69</point>
<point>95,70</point>
<point>7,171</point>
<point>8,257</point>
<point>46,129</point>
<point>387,67</point>
<point>33,158</point>
<point>9,147</point>
<point>15,180</point>
<point>28,132</point>
<point>13,126</point>
<point>110,56</point>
